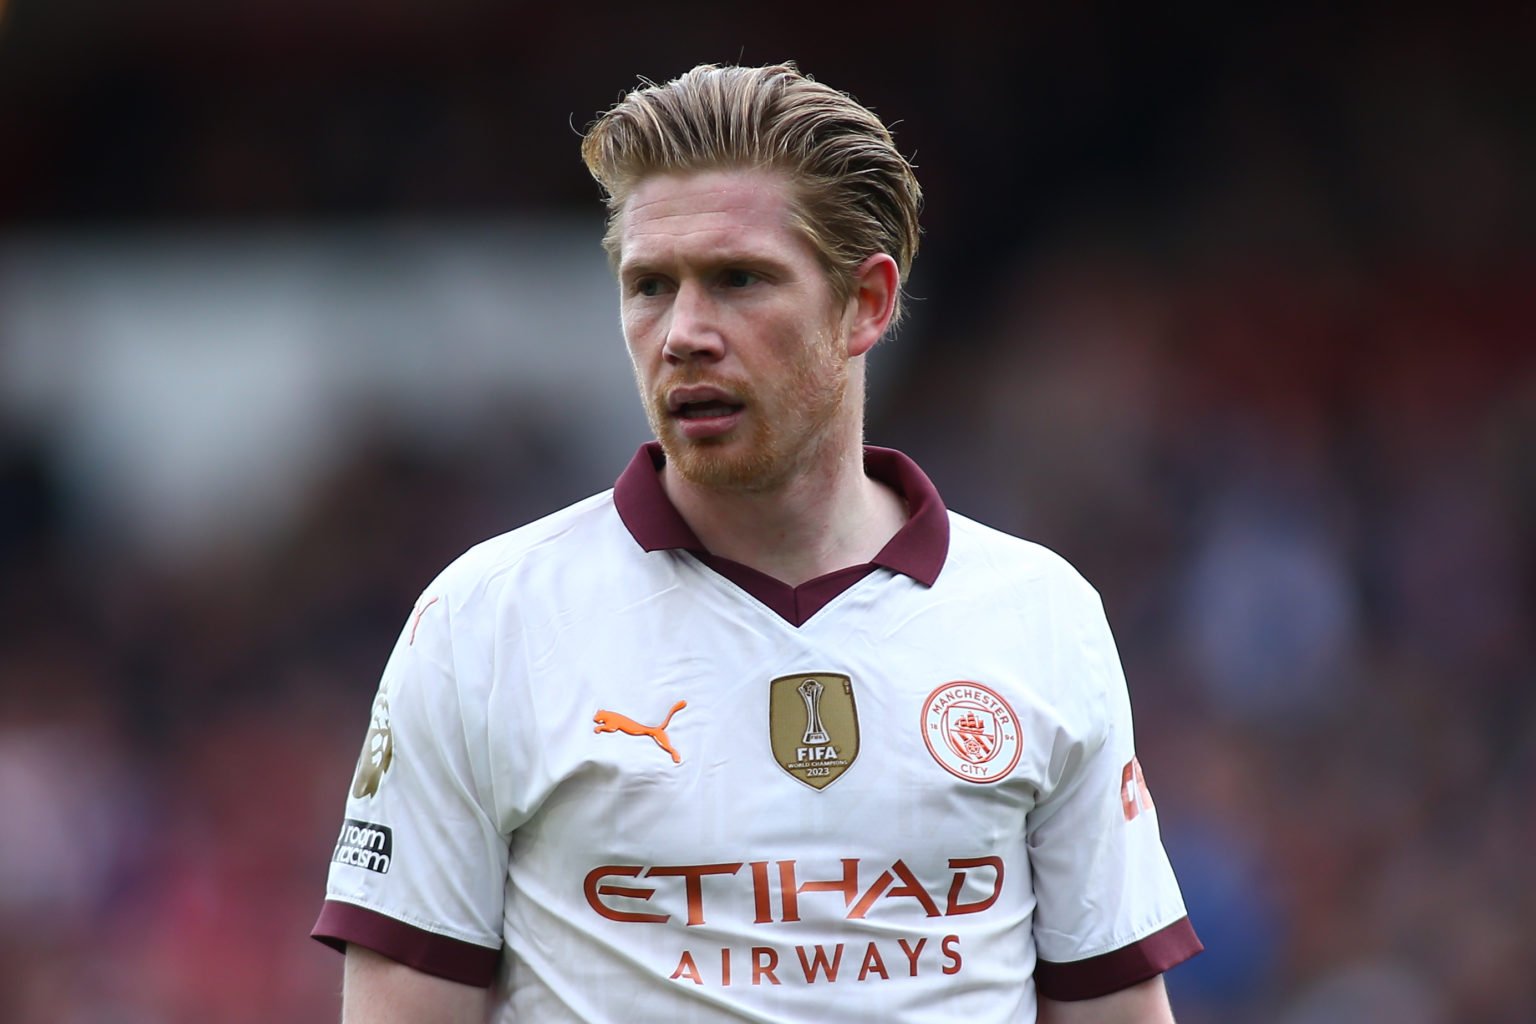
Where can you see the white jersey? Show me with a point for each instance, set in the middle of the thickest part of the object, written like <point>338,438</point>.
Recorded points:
<point>626,781</point>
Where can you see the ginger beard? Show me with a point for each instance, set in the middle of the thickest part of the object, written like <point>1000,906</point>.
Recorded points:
<point>790,420</point>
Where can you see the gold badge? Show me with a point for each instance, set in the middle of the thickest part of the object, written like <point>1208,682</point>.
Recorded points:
<point>378,751</point>
<point>813,725</point>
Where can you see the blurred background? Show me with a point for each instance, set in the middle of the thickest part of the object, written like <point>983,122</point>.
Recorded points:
<point>1233,307</point>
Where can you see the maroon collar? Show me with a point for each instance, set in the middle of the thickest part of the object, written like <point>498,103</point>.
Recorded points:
<point>917,550</point>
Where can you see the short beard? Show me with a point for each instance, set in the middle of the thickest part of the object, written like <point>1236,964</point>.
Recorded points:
<point>819,384</point>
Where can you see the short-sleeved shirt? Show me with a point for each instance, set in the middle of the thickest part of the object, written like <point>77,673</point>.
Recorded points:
<point>623,779</point>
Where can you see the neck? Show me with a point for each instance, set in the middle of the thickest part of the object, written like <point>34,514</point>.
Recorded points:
<point>827,516</point>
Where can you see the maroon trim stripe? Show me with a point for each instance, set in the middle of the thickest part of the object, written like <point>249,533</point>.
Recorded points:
<point>1120,968</point>
<point>795,605</point>
<point>464,962</point>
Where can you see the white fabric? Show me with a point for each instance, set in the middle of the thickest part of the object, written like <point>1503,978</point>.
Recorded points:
<point>502,798</point>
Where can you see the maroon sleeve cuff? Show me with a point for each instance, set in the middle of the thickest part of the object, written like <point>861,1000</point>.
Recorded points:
<point>464,962</point>
<point>1119,968</point>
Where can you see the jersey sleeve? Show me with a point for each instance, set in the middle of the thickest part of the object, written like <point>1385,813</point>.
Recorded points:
<point>1109,913</point>
<point>418,872</point>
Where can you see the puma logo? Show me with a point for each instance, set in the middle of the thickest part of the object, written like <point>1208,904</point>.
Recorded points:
<point>612,721</point>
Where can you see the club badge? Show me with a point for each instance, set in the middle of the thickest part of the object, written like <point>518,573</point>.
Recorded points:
<point>972,731</point>
<point>813,725</point>
<point>378,751</point>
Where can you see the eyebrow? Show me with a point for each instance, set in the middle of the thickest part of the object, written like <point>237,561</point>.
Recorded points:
<point>725,259</point>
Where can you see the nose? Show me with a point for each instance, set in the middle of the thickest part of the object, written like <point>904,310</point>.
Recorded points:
<point>693,331</point>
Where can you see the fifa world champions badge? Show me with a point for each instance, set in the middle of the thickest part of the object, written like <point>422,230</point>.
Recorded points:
<point>813,726</point>
<point>971,731</point>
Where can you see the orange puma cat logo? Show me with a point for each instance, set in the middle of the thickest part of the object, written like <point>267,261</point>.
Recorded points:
<point>612,721</point>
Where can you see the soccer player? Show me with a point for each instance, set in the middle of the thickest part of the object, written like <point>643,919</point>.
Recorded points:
<point>764,733</point>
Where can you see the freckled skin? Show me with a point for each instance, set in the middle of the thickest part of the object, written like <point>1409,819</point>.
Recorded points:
<point>719,289</point>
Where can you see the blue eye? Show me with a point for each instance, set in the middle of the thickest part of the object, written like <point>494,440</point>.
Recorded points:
<point>648,286</point>
<point>739,278</point>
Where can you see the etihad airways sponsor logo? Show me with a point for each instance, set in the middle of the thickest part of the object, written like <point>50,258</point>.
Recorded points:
<point>970,885</point>
<point>363,844</point>
<point>777,888</point>
<point>842,961</point>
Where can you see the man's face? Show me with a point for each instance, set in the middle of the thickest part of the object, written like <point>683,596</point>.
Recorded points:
<point>737,338</point>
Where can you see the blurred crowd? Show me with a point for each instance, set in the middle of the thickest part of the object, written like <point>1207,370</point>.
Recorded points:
<point>1277,400</point>
<point>1318,549</point>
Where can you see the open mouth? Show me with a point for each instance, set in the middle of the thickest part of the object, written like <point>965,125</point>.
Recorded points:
<point>706,410</point>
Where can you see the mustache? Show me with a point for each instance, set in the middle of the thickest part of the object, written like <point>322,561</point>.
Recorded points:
<point>694,377</point>
<point>697,376</point>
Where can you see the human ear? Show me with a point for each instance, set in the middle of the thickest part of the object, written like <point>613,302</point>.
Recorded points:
<point>876,284</point>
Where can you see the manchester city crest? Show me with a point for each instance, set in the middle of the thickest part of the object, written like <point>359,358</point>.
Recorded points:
<point>972,731</point>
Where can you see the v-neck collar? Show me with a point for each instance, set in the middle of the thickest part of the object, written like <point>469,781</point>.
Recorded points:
<point>917,550</point>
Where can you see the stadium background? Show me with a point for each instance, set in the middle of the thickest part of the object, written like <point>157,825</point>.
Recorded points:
<point>1233,307</point>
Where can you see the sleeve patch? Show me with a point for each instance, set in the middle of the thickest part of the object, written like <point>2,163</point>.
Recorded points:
<point>362,844</point>
<point>1135,797</point>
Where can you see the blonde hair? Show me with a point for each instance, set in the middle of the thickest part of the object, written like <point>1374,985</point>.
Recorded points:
<point>854,194</point>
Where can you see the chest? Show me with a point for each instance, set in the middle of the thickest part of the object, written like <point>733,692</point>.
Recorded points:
<point>701,730</point>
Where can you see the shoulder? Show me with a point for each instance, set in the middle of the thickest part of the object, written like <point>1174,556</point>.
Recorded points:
<point>1056,614</point>
<point>978,551</point>
<point>583,538</point>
